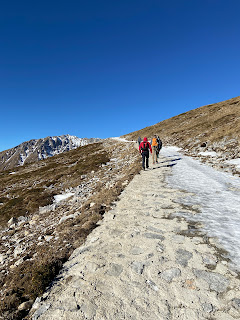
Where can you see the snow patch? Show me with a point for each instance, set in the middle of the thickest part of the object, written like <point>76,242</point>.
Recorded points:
<point>216,193</point>
<point>60,197</point>
<point>235,162</point>
<point>121,139</point>
<point>208,153</point>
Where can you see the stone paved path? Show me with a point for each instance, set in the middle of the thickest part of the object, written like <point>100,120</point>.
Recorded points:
<point>138,264</point>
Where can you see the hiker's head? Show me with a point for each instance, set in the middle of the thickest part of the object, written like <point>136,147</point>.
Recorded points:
<point>145,139</point>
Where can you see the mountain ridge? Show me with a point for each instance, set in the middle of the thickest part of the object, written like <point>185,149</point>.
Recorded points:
<point>39,149</point>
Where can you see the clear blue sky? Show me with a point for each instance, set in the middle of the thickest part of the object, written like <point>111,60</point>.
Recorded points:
<point>106,68</point>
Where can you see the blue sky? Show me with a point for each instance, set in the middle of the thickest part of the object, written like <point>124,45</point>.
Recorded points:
<point>106,68</point>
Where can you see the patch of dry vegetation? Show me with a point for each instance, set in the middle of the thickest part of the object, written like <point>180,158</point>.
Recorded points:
<point>209,123</point>
<point>105,168</point>
<point>214,127</point>
<point>29,187</point>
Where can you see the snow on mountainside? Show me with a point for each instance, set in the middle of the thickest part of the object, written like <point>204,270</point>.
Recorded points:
<point>39,149</point>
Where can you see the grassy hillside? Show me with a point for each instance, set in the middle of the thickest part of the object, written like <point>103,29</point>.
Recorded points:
<point>216,125</point>
<point>35,242</point>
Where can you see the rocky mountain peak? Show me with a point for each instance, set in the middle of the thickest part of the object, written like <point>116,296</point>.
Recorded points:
<point>39,149</point>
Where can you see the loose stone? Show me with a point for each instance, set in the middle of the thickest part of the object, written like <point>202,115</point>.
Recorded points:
<point>207,307</point>
<point>216,281</point>
<point>170,274</point>
<point>115,270</point>
<point>136,251</point>
<point>152,285</point>
<point>154,236</point>
<point>25,305</point>
<point>138,267</point>
<point>183,256</point>
<point>236,303</point>
<point>40,311</point>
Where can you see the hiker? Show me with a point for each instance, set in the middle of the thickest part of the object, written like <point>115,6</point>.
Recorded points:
<point>144,148</point>
<point>154,149</point>
<point>159,141</point>
<point>139,140</point>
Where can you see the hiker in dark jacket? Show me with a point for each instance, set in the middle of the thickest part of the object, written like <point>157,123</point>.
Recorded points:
<point>159,145</point>
<point>144,148</point>
<point>139,140</point>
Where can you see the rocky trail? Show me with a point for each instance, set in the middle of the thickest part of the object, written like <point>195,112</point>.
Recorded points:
<point>144,262</point>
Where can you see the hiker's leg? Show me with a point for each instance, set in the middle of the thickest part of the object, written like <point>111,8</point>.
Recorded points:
<point>143,160</point>
<point>147,158</point>
<point>154,155</point>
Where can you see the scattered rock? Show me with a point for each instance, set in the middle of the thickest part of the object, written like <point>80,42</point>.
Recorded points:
<point>3,257</point>
<point>18,250</point>
<point>153,236</point>
<point>89,309</point>
<point>64,218</point>
<point>153,229</point>
<point>40,311</point>
<point>183,256</point>
<point>25,305</point>
<point>152,285</point>
<point>160,247</point>
<point>203,145</point>
<point>22,220</point>
<point>170,274</point>
<point>209,259</point>
<point>48,238</point>
<point>114,270</point>
<point>236,303</point>
<point>216,281</point>
<point>136,251</point>
<point>178,238</point>
<point>12,221</point>
<point>207,307</point>
<point>137,267</point>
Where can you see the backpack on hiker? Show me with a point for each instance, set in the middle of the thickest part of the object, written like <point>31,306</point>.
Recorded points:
<point>144,146</point>
<point>159,141</point>
<point>154,142</point>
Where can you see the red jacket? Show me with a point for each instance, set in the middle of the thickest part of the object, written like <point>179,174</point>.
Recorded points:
<point>142,143</point>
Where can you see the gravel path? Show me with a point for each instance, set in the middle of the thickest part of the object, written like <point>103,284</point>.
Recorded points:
<point>144,263</point>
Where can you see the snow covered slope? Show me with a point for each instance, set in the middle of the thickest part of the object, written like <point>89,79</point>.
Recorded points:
<point>216,195</point>
<point>39,149</point>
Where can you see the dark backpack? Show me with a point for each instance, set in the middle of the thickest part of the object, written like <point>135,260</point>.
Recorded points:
<point>159,143</point>
<point>145,146</point>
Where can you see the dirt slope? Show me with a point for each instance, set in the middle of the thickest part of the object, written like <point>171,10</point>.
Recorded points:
<point>217,126</point>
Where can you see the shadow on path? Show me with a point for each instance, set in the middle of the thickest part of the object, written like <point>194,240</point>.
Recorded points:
<point>170,162</point>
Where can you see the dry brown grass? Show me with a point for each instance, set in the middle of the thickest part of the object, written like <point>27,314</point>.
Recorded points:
<point>27,190</point>
<point>210,124</point>
<point>42,263</point>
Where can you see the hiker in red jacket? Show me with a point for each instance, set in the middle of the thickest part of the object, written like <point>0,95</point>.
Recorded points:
<point>144,148</point>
